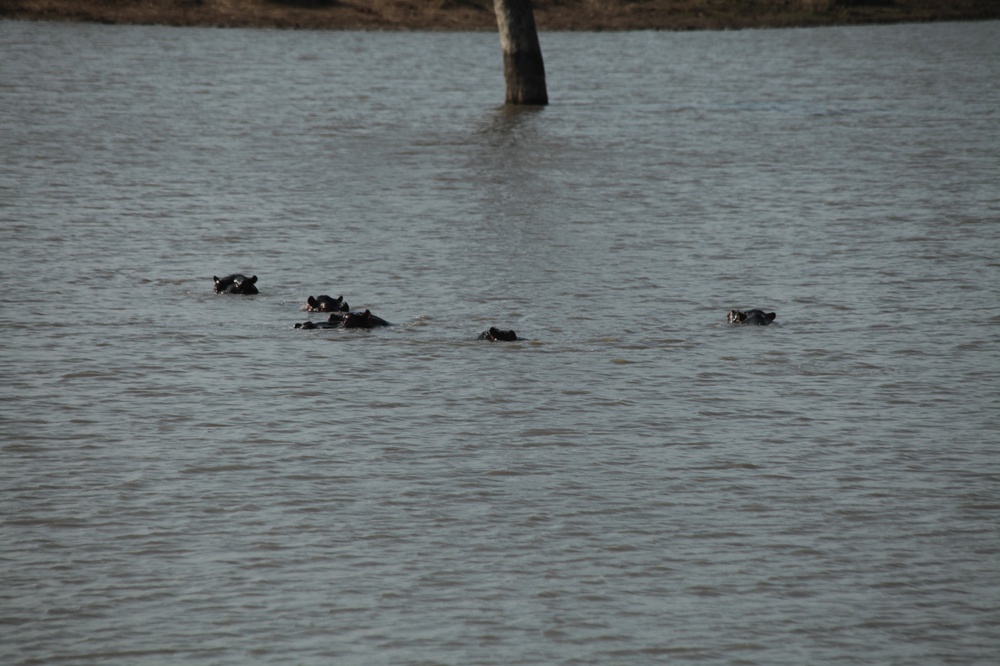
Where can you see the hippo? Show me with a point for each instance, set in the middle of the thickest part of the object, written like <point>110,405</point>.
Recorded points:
<point>495,334</point>
<point>757,317</point>
<point>347,320</point>
<point>366,320</point>
<point>333,321</point>
<point>317,324</point>
<point>236,284</point>
<point>325,303</point>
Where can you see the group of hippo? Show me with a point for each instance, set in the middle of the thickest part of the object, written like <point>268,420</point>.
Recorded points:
<point>340,312</point>
<point>342,317</point>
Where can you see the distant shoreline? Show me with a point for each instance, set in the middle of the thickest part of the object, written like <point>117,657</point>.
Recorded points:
<point>477,15</point>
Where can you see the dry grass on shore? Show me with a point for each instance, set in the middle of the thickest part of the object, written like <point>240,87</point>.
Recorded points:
<point>478,14</point>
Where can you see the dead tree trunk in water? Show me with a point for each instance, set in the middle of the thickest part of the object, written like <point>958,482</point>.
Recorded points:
<point>523,69</point>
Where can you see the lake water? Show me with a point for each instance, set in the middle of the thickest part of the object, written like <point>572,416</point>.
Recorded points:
<point>187,479</point>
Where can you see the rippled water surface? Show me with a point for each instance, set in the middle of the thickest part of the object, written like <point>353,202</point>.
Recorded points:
<point>188,479</point>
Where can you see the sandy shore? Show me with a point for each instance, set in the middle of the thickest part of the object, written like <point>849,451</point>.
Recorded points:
<point>478,14</point>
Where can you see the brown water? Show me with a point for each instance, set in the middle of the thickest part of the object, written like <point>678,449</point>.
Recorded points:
<point>185,478</point>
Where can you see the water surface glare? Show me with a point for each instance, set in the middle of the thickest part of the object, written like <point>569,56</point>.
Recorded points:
<point>187,479</point>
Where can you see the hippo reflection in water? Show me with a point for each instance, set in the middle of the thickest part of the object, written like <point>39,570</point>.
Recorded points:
<point>495,334</point>
<point>237,283</point>
<point>752,317</point>
<point>347,320</point>
<point>325,303</point>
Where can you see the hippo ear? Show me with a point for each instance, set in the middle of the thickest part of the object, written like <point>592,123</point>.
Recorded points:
<point>770,316</point>
<point>311,301</point>
<point>253,279</point>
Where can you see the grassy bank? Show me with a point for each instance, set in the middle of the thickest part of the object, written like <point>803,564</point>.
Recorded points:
<point>478,14</point>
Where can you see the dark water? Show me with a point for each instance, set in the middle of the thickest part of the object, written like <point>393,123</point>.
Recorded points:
<point>187,479</point>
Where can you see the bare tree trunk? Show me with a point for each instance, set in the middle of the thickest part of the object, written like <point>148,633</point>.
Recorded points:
<point>523,69</point>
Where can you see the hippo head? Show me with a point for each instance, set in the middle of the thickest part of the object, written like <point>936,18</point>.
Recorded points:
<point>495,334</point>
<point>236,284</point>
<point>325,303</point>
<point>752,317</point>
<point>365,320</point>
